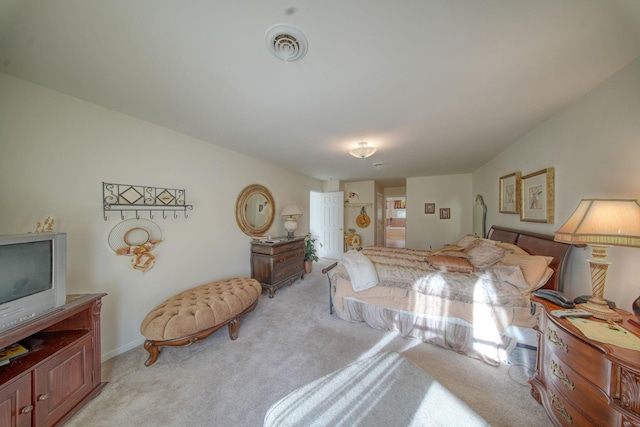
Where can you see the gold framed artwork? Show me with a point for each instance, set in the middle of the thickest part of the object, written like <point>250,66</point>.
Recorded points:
<point>510,193</point>
<point>445,213</point>
<point>537,196</point>
<point>429,208</point>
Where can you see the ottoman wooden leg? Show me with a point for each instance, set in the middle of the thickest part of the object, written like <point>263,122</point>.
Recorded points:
<point>153,350</point>
<point>234,327</point>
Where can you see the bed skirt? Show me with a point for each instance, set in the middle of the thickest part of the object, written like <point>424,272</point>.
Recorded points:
<point>448,332</point>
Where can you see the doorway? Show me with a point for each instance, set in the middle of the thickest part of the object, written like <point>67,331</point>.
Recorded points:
<point>326,223</point>
<point>395,222</point>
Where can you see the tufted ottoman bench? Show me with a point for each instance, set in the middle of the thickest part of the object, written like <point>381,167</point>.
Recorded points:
<point>196,313</point>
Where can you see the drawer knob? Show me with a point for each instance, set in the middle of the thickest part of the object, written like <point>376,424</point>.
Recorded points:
<point>558,372</point>
<point>553,337</point>
<point>27,409</point>
<point>43,397</point>
<point>555,402</point>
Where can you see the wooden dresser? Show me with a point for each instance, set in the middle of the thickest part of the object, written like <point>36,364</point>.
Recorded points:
<point>582,382</point>
<point>277,262</point>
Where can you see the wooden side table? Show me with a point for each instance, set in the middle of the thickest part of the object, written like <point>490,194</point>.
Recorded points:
<point>277,262</point>
<point>583,382</point>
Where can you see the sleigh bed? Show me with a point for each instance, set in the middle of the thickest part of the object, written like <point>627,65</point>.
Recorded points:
<point>471,297</point>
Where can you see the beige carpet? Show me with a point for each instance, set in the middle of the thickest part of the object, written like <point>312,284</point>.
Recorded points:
<point>383,390</point>
<point>285,343</point>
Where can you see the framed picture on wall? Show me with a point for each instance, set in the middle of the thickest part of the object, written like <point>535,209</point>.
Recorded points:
<point>537,196</point>
<point>429,208</point>
<point>445,213</point>
<point>510,193</point>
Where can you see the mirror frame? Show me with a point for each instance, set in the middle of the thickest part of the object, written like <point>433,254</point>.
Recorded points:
<point>479,217</point>
<point>241,203</point>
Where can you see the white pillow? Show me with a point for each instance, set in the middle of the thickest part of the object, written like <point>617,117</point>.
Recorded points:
<point>361,271</point>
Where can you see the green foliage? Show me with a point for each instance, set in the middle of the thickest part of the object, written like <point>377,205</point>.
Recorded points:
<point>310,248</point>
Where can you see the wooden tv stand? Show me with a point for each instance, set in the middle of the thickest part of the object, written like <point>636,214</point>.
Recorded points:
<point>62,370</point>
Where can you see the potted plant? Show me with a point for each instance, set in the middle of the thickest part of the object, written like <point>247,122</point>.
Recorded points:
<point>310,253</point>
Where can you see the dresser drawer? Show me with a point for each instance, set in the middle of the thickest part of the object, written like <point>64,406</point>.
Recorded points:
<point>287,258</point>
<point>563,411</point>
<point>286,271</point>
<point>594,403</point>
<point>279,248</point>
<point>586,359</point>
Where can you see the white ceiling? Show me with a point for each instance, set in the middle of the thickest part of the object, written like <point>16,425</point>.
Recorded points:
<point>439,86</point>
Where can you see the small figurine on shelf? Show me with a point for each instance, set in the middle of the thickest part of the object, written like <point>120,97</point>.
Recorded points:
<point>46,227</point>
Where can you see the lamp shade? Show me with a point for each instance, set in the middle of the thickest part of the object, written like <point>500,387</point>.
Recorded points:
<point>291,209</point>
<point>611,222</point>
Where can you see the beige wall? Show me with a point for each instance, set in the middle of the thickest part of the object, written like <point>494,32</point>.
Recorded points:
<point>594,146</point>
<point>57,151</point>
<point>426,231</point>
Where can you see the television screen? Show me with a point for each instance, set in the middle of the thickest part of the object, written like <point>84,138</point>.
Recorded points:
<point>25,269</point>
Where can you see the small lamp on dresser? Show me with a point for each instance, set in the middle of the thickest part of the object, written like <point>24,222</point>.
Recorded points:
<point>601,223</point>
<point>291,211</point>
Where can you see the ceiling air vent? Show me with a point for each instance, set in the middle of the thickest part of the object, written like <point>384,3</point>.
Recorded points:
<point>286,42</point>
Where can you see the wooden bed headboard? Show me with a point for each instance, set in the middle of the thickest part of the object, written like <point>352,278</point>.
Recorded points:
<point>537,244</point>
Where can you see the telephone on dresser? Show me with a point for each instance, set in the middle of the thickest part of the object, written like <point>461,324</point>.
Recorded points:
<point>555,297</point>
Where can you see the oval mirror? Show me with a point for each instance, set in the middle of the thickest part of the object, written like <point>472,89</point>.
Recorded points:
<point>255,210</point>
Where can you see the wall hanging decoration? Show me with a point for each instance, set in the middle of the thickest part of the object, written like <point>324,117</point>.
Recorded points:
<point>363,219</point>
<point>140,198</point>
<point>46,226</point>
<point>429,208</point>
<point>351,239</point>
<point>136,238</point>
<point>445,213</point>
<point>537,196</point>
<point>510,193</point>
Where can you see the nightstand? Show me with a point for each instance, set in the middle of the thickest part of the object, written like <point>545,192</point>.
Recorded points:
<point>583,382</point>
<point>277,262</point>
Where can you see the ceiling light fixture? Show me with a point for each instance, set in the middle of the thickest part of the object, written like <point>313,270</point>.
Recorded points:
<point>363,151</point>
<point>286,42</point>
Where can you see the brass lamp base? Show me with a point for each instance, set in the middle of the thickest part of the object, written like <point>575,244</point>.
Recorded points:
<point>600,310</point>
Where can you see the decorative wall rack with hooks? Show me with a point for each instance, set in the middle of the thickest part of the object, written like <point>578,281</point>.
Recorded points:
<point>141,198</point>
<point>358,204</point>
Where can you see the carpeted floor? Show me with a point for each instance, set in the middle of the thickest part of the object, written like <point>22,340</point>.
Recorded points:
<point>285,343</point>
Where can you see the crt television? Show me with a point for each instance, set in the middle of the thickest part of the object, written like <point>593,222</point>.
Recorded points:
<point>33,276</point>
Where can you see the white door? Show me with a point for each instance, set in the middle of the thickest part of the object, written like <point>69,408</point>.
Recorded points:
<point>332,213</point>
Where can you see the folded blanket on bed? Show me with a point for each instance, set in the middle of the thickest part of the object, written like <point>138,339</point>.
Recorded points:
<point>361,270</point>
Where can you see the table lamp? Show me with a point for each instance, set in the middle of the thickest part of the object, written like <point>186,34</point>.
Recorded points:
<point>290,210</point>
<point>601,223</point>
